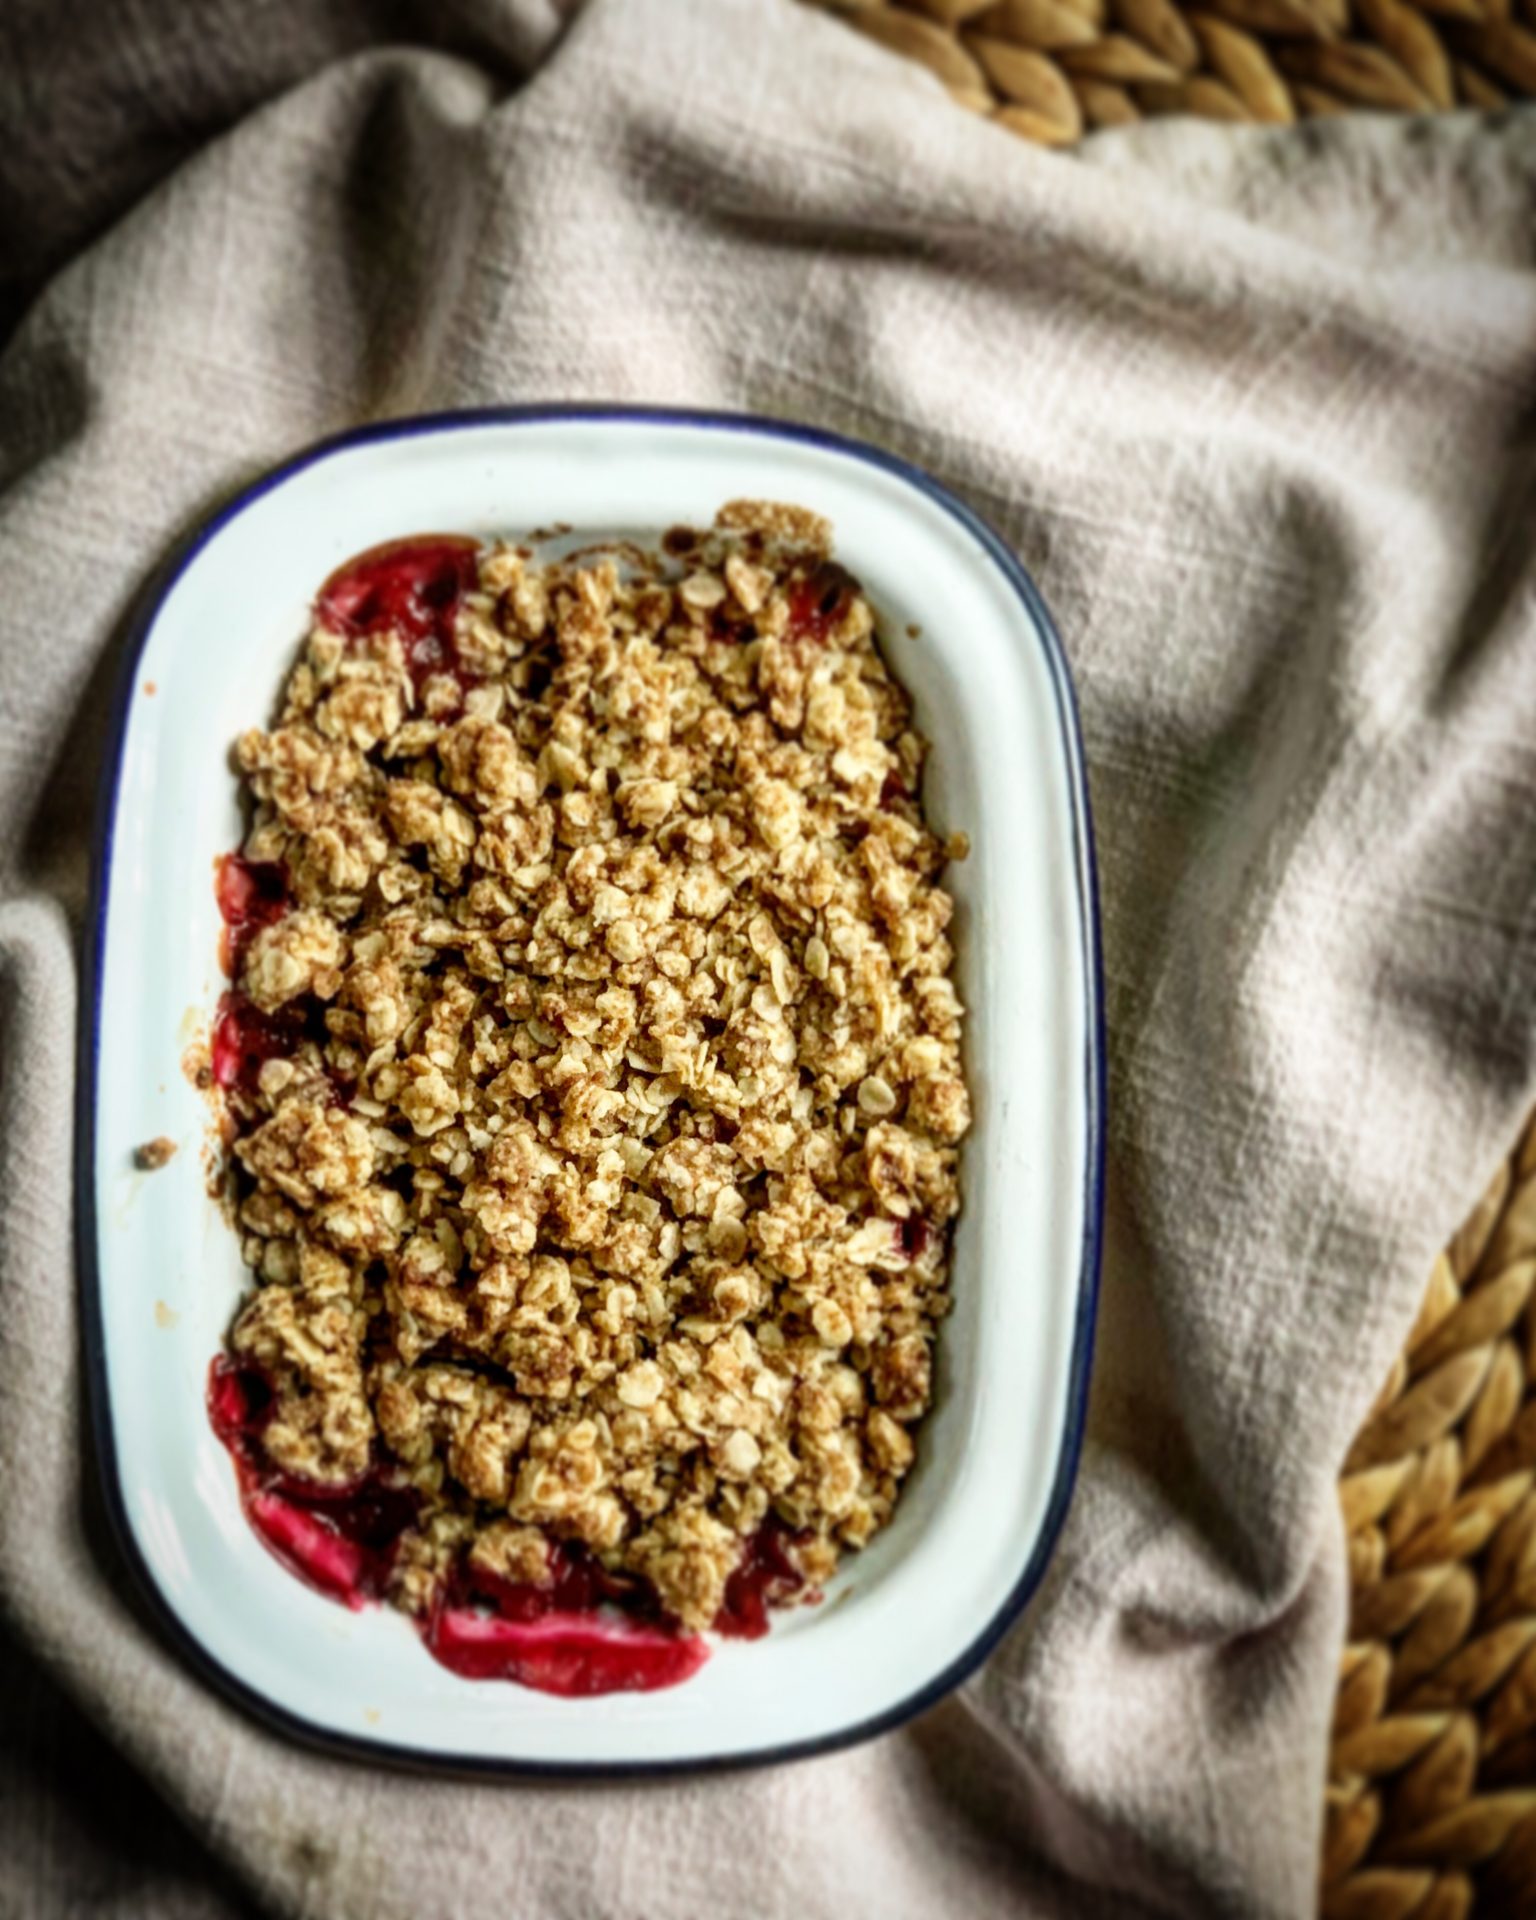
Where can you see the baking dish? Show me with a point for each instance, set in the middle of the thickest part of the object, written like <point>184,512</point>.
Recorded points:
<point>161,1272</point>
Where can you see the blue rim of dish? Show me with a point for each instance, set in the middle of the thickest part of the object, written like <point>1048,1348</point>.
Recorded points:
<point>140,625</point>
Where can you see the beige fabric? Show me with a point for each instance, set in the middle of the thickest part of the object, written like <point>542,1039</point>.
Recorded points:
<point>1257,410</point>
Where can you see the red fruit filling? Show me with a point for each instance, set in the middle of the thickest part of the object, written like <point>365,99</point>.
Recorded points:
<point>819,600</point>
<point>578,1583</point>
<point>341,1539</point>
<point>252,894</point>
<point>561,1636</point>
<point>915,1234</point>
<point>245,1038</point>
<point>410,587</point>
<point>573,1654</point>
<point>766,1576</point>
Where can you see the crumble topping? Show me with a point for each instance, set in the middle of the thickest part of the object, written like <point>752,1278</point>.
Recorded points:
<point>593,1062</point>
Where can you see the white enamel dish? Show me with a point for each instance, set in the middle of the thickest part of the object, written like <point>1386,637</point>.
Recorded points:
<point>161,1274</point>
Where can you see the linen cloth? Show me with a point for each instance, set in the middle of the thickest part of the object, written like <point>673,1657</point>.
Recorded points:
<point>1257,411</point>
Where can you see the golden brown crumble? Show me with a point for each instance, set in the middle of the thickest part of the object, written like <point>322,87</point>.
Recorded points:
<point>606,1184</point>
<point>154,1154</point>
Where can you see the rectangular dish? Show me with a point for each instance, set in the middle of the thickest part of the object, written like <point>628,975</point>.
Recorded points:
<point>966,632</point>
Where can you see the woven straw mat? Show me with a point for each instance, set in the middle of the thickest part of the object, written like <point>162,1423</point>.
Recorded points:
<point>1052,70</point>
<point>1431,1797</point>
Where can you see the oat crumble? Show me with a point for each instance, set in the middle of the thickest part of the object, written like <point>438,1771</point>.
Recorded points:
<point>592,1067</point>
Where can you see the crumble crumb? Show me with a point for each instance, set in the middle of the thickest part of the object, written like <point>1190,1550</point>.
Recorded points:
<point>154,1154</point>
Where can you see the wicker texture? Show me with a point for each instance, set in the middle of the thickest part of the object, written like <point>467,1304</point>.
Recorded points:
<point>1051,70</point>
<point>1431,1799</point>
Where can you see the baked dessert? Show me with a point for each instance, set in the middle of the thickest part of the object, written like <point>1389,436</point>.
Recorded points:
<point>591,1087</point>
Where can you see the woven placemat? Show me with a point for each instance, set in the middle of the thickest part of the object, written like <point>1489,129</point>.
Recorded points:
<point>1054,69</point>
<point>1431,1798</point>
